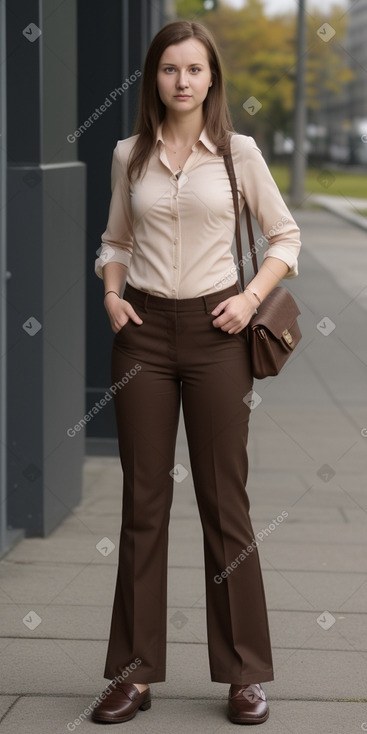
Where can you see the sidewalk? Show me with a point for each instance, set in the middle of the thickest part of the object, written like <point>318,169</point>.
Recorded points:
<point>307,459</point>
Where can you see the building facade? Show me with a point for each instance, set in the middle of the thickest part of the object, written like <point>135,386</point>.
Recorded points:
<point>68,92</point>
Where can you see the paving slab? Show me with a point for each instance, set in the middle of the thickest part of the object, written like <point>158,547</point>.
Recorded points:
<point>58,621</point>
<point>38,667</point>
<point>310,556</point>
<point>300,629</point>
<point>289,629</point>
<point>183,717</point>
<point>5,703</point>
<point>70,667</point>
<point>318,591</point>
<point>76,583</point>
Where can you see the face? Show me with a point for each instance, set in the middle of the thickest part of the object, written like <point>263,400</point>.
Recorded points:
<point>184,75</point>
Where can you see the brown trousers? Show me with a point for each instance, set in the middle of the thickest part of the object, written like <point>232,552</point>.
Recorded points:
<point>177,351</point>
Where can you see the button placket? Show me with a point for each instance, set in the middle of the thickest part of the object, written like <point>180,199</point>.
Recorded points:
<point>174,211</point>
<point>177,184</point>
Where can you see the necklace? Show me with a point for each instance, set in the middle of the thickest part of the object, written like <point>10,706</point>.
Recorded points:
<point>180,149</point>
<point>179,152</point>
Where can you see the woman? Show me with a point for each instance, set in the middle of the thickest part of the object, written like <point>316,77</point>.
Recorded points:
<point>167,249</point>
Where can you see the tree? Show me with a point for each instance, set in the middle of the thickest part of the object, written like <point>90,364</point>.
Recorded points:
<point>328,69</point>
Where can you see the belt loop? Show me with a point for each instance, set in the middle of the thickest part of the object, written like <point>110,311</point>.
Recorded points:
<point>145,304</point>
<point>206,303</point>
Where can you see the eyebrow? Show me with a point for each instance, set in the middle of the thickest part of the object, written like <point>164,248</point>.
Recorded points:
<point>166,63</point>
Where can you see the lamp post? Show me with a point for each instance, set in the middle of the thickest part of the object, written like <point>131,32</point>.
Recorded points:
<point>299,121</point>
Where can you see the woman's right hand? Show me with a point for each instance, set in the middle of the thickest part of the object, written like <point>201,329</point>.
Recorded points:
<point>119,312</point>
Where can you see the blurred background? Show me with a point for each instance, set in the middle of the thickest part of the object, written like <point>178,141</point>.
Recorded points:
<point>70,72</point>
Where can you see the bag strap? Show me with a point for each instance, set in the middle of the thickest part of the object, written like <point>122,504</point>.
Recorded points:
<point>228,161</point>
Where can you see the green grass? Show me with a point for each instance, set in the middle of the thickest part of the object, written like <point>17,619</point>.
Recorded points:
<point>323,181</point>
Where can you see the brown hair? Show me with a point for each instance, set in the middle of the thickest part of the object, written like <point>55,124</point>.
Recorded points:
<point>151,110</point>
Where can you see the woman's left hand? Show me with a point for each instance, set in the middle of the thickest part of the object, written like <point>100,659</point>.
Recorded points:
<point>237,312</point>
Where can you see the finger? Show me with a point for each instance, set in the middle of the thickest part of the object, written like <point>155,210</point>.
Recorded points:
<point>133,315</point>
<point>219,307</point>
<point>239,326</point>
<point>226,318</point>
<point>231,326</point>
<point>223,322</point>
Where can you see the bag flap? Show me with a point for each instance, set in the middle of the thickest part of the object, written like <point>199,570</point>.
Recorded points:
<point>277,312</point>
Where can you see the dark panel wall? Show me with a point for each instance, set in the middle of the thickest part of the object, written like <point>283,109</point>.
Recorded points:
<point>46,260</point>
<point>111,46</point>
<point>99,74</point>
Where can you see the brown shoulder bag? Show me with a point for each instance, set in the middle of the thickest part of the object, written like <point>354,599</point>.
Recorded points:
<point>273,331</point>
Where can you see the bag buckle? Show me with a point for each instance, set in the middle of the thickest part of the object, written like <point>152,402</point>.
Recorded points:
<point>287,336</point>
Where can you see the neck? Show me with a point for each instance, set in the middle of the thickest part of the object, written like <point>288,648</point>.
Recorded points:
<point>181,129</point>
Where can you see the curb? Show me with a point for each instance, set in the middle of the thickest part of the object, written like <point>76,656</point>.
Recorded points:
<point>356,219</point>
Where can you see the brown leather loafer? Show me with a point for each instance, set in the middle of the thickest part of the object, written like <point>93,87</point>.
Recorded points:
<point>247,704</point>
<point>120,703</point>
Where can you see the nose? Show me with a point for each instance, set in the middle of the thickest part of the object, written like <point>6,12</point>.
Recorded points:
<point>182,80</point>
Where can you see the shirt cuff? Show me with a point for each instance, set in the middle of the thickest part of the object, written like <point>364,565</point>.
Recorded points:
<point>282,253</point>
<point>110,254</point>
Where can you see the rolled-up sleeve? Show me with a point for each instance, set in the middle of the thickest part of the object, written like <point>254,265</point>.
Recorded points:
<point>266,204</point>
<point>117,240</point>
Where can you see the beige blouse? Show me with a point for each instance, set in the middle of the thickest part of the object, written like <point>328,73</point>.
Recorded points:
<point>175,233</point>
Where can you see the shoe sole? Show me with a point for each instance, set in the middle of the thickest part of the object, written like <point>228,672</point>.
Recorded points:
<point>107,720</point>
<point>260,720</point>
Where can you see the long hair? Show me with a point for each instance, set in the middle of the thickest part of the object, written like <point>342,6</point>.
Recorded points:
<point>151,110</point>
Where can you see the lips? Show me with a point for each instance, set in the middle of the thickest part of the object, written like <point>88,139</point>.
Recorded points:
<point>182,96</point>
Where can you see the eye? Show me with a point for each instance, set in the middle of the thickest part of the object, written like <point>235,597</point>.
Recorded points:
<point>172,68</point>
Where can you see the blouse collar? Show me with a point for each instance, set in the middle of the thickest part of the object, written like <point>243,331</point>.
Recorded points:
<point>203,138</point>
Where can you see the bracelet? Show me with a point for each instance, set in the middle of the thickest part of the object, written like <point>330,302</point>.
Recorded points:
<point>106,294</point>
<point>254,294</point>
